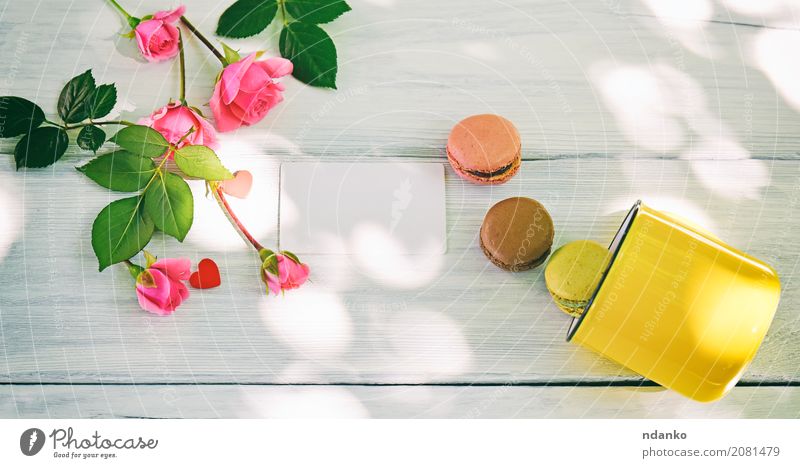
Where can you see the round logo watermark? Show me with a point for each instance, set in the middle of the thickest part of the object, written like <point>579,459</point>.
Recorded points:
<point>31,441</point>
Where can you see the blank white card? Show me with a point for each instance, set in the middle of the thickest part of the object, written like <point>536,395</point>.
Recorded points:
<point>359,208</point>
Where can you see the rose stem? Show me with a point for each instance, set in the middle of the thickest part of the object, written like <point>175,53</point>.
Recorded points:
<point>182,62</point>
<point>86,124</point>
<point>121,10</point>
<point>223,204</point>
<point>205,41</point>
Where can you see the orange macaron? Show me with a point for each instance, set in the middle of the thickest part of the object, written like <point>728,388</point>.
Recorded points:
<point>484,149</point>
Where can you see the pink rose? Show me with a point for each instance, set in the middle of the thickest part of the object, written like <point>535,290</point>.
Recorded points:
<point>247,90</point>
<point>158,37</point>
<point>160,288</point>
<point>175,120</point>
<point>281,272</point>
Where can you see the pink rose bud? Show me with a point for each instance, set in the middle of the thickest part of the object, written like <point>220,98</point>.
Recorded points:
<point>247,90</point>
<point>160,287</point>
<point>158,37</point>
<point>282,271</point>
<point>174,121</point>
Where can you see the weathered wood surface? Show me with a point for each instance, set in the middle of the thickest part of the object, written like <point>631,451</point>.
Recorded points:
<point>384,319</point>
<point>613,101</point>
<point>259,401</point>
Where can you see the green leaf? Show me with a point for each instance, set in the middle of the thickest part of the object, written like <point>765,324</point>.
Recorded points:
<point>270,264</point>
<point>149,258</point>
<point>142,141</point>
<point>91,137</point>
<point>120,170</point>
<point>201,161</point>
<point>316,11</point>
<point>135,270</point>
<point>42,147</point>
<point>246,18</point>
<point>292,256</point>
<point>170,204</point>
<point>101,101</point>
<point>120,231</point>
<point>71,102</point>
<point>231,56</point>
<point>18,116</point>
<point>312,52</point>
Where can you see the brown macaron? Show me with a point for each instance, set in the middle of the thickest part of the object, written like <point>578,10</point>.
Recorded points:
<point>517,234</point>
<point>485,149</point>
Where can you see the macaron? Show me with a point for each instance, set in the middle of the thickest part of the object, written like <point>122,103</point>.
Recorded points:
<point>573,273</point>
<point>517,234</point>
<point>484,149</point>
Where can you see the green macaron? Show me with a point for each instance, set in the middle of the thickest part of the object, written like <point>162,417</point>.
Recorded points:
<point>573,273</point>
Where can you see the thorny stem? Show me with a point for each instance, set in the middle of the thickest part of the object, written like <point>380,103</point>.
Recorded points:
<point>205,41</point>
<point>216,190</point>
<point>86,124</point>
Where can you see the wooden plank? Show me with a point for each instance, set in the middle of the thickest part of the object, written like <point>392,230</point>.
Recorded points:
<point>578,77</point>
<point>562,71</point>
<point>258,401</point>
<point>454,318</point>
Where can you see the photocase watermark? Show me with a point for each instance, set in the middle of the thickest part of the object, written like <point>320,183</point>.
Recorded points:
<point>66,444</point>
<point>535,228</point>
<point>31,441</point>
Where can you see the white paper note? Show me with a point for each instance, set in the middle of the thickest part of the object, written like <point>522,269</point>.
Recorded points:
<point>359,208</point>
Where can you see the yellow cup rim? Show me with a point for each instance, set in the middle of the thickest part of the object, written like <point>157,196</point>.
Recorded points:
<point>614,247</point>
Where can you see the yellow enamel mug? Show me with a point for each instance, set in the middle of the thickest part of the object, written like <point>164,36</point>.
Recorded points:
<point>678,306</point>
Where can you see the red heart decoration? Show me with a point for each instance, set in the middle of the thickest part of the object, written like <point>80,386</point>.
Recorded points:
<point>206,276</point>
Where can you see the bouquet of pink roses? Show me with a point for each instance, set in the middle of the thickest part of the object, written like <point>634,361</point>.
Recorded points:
<point>245,91</point>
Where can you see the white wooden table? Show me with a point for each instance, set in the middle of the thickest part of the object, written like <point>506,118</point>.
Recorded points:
<point>692,107</point>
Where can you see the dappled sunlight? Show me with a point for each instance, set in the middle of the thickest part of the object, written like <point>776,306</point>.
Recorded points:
<point>643,105</point>
<point>732,179</point>
<point>682,14</point>
<point>662,109</point>
<point>716,148</point>
<point>776,55</point>
<point>423,345</point>
<point>760,8</point>
<point>10,214</point>
<point>384,260</point>
<point>301,402</point>
<point>326,206</point>
<point>336,272</point>
<point>301,371</point>
<point>480,50</point>
<point>685,21</point>
<point>311,321</point>
<point>723,166</point>
<point>679,208</point>
<point>258,212</point>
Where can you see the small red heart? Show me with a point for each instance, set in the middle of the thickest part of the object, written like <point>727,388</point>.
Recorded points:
<point>206,276</point>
